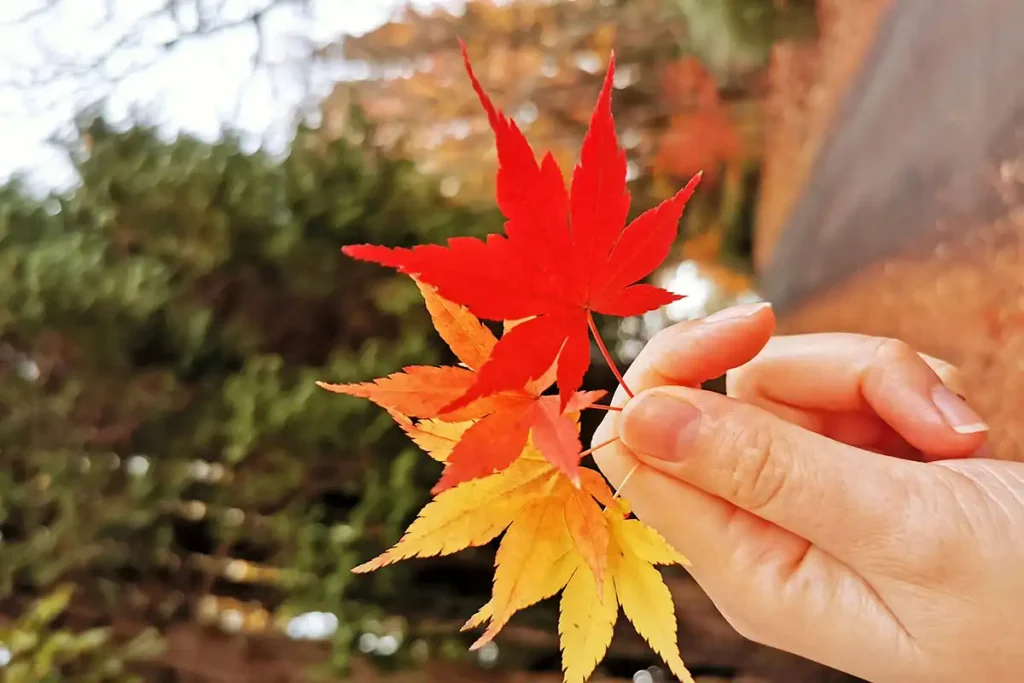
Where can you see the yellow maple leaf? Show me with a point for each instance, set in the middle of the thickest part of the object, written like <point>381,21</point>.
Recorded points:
<point>540,552</point>
<point>436,438</point>
<point>534,560</point>
<point>584,521</point>
<point>585,624</point>
<point>639,588</point>
<point>587,612</point>
<point>470,514</point>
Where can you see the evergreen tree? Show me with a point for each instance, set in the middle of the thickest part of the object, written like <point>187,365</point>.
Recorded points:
<point>163,447</point>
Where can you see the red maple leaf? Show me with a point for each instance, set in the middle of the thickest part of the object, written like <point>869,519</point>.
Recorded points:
<point>504,420</point>
<point>564,255</point>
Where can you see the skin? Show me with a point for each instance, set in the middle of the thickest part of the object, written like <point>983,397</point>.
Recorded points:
<point>836,504</point>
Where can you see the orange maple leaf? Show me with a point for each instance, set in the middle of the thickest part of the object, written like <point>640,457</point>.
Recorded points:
<point>556,539</point>
<point>503,421</point>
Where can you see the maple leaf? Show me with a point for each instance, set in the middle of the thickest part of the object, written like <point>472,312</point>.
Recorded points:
<point>557,538</point>
<point>436,438</point>
<point>589,606</point>
<point>500,424</point>
<point>467,337</point>
<point>536,503</point>
<point>564,256</point>
<point>468,515</point>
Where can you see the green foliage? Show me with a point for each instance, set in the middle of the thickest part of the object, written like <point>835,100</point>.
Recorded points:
<point>40,652</point>
<point>161,329</point>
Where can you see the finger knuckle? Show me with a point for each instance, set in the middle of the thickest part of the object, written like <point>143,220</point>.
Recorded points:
<point>894,351</point>
<point>758,478</point>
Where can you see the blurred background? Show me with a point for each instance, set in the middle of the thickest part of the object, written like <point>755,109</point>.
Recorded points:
<point>178,501</point>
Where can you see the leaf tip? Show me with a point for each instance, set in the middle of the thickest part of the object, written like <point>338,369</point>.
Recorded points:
<point>691,185</point>
<point>356,251</point>
<point>461,402</point>
<point>367,567</point>
<point>480,642</point>
<point>610,74</point>
<point>403,420</point>
<point>449,479</point>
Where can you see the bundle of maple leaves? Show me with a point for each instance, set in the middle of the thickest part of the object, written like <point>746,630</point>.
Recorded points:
<point>512,453</point>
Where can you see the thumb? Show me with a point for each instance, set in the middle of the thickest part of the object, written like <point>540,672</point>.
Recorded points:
<point>839,498</point>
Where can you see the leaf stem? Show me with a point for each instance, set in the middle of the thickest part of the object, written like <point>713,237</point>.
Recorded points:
<point>601,406</point>
<point>599,446</point>
<point>618,491</point>
<point>607,356</point>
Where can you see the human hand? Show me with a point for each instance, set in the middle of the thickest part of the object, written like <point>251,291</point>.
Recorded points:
<point>897,569</point>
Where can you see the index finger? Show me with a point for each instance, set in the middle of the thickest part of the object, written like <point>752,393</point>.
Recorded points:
<point>695,351</point>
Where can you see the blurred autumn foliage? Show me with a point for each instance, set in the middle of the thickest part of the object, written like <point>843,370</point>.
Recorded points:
<point>702,131</point>
<point>543,62</point>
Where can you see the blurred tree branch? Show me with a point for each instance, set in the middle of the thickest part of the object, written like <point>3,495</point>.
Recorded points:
<point>128,39</point>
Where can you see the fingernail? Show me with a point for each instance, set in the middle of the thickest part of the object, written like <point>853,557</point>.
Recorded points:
<point>957,413</point>
<point>736,312</point>
<point>659,424</point>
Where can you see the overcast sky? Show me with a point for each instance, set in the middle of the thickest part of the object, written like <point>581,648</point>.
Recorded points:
<point>198,87</point>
